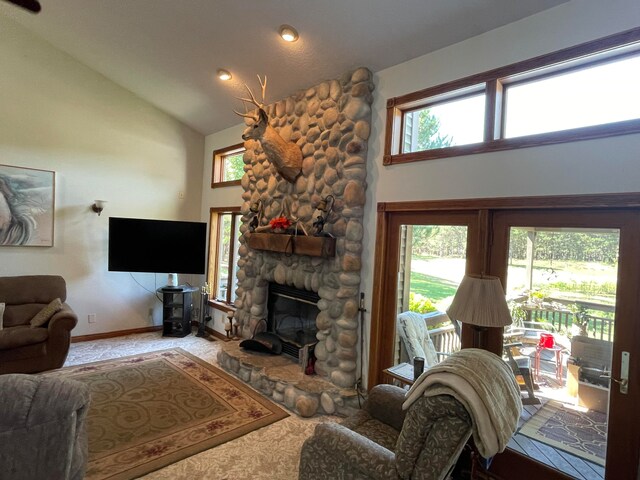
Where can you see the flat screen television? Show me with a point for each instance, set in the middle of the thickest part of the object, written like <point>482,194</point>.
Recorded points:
<point>157,246</point>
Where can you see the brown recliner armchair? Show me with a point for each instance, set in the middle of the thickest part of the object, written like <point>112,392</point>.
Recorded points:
<point>382,441</point>
<point>24,349</point>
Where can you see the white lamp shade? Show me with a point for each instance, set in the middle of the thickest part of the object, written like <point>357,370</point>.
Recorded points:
<point>480,300</point>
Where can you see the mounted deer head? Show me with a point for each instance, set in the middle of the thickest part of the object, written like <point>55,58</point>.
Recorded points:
<point>286,156</point>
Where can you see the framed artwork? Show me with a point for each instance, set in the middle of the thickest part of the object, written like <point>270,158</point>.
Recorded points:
<point>27,204</point>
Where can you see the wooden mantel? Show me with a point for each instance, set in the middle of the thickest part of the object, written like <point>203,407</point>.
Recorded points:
<point>294,244</point>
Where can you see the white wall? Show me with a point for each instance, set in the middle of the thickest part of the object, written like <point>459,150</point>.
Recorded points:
<point>596,166</point>
<point>219,197</point>
<point>103,142</point>
<point>224,196</point>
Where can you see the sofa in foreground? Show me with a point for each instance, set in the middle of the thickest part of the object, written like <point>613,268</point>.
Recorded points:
<point>43,430</point>
<point>36,328</point>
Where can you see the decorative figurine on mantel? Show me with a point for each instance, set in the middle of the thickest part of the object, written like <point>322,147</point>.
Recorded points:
<point>285,222</point>
<point>279,224</point>
<point>324,206</point>
<point>285,156</point>
<point>256,210</point>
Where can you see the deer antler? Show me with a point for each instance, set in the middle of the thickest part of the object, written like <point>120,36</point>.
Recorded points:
<point>263,85</point>
<point>252,99</point>
<point>246,114</point>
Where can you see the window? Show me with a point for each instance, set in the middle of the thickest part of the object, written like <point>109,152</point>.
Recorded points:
<point>223,255</point>
<point>583,92</point>
<point>457,121</point>
<point>574,99</point>
<point>228,166</point>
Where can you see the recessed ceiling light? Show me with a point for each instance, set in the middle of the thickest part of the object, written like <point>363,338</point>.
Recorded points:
<point>288,33</point>
<point>223,75</point>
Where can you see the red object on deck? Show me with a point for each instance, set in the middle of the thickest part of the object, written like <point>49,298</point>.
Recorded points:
<point>546,340</point>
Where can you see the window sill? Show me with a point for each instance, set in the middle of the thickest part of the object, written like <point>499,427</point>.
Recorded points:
<point>230,183</point>
<point>222,306</point>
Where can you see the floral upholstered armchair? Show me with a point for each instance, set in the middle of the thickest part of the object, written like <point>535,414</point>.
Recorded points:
<point>382,441</point>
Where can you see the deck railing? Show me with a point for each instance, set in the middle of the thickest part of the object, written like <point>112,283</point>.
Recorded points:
<point>445,339</point>
<point>555,312</point>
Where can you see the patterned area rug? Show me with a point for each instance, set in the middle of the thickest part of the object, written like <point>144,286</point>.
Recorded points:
<point>153,409</point>
<point>581,433</point>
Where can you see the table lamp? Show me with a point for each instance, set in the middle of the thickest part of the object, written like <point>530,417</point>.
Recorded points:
<point>480,302</point>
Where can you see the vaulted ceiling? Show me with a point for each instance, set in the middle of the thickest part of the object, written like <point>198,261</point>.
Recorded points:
<point>167,51</point>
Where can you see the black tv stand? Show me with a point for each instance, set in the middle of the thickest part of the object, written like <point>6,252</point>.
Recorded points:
<point>176,310</point>
<point>169,288</point>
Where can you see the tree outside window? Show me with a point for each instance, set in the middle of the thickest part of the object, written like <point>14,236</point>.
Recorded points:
<point>233,166</point>
<point>228,166</point>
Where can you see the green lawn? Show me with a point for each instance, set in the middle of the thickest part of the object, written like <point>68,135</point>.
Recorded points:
<point>433,288</point>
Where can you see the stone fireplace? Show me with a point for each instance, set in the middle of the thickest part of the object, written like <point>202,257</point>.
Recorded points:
<point>331,124</point>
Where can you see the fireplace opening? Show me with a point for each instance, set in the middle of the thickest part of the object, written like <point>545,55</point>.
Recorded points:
<point>292,316</point>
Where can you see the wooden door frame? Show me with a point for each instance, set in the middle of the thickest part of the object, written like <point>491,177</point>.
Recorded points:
<point>380,356</point>
<point>387,247</point>
<point>385,281</point>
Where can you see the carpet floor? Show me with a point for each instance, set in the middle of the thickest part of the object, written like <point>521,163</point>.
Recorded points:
<point>269,452</point>
<point>581,433</point>
<point>153,409</point>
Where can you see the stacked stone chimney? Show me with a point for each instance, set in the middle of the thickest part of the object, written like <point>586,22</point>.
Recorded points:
<point>331,124</point>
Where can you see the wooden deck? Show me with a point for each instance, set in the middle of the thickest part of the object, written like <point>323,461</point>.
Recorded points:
<point>551,388</point>
<point>566,462</point>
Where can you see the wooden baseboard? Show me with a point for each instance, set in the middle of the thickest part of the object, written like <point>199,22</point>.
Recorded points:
<point>218,335</point>
<point>211,331</point>
<point>119,333</point>
<point>155,328</point>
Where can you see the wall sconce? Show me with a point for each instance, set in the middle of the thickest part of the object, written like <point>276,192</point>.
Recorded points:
<point>98,206</point>
<point>324,206</point>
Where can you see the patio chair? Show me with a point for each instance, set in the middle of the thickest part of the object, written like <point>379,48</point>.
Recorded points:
<point>521,367</point>
<point>415,342</point>
<point>414,339</point>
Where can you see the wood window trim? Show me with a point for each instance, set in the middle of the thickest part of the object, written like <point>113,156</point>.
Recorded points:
<point>221,306</point>
<point>380,356</point>
<point>494,123</point>
<point>224,306</point>
<point>216,166</point>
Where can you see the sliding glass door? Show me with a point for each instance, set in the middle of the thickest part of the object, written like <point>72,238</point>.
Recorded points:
<point>571,275</point>
<point>430,252</point>
<point>571,298</point>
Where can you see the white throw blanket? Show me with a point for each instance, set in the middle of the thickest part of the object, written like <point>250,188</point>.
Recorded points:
<point>487,388</point>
